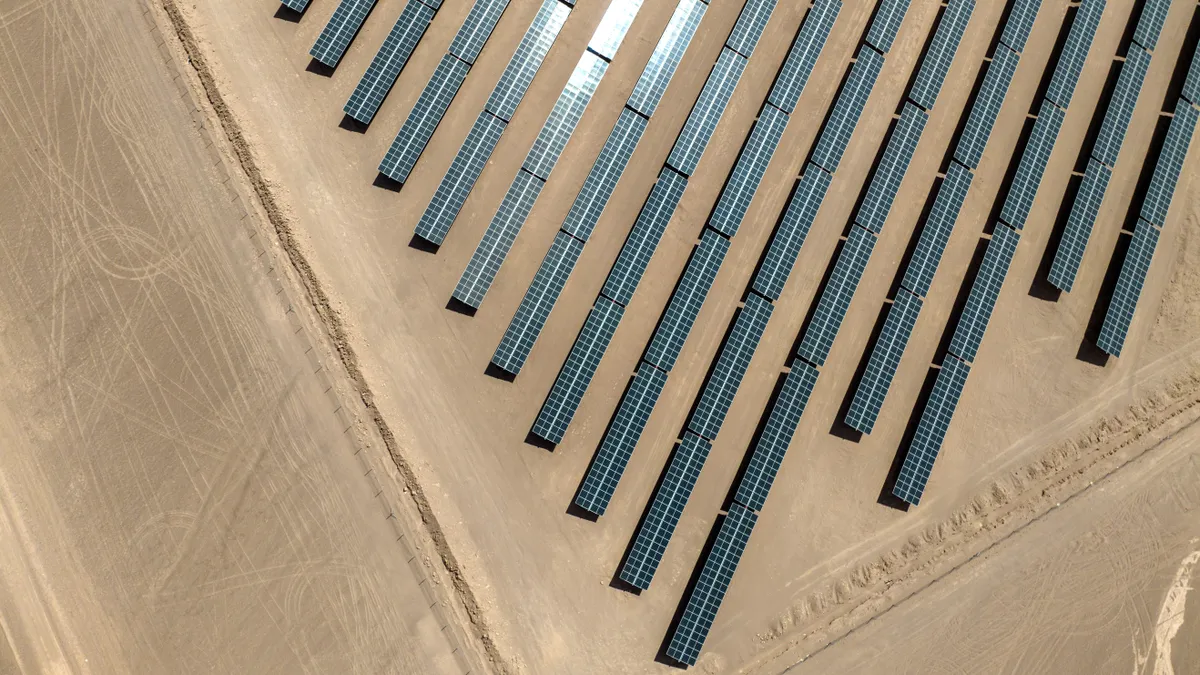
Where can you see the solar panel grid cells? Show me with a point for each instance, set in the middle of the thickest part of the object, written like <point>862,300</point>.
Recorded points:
<point>434,4</point>
<point>1170,163</point>
<point>498,239</point>
<point>940,55</point>
<point>731,367</point>
<point>613,27</point>
<point>886,182</point>
<point>685,303</point>
<point>535,307</point>
<point>388,62</point>
<point>931,431</point>
<point>777,436</point>
<point>835,299</point>
<point>1078,230</point>
<point>918,276</point>
<point>793,229</point>
<point>337,34</point>
<point>749,27</point>
<point>1132,279</point>
<point>1149,26</point>
<point>835,136</point>
<point>1191,86</point>
<point>709,107</point>
<point>667,54</point>
<point>527,59</point>
<point>452,192</point>
<point>802,57</point>
<point>647,231</point>
<point>1075,52</point>
<point>1033,165</point>
<point>598,187</point>
<point>563,119</point>
<point>665,510</point>
<point>622,438</point>
<point>715,577</point>
<point>1120,107</point>
<point>973,321</point>
<point>885,359</point>
<point>296,5</point>
<point>477,28</point>
<point>1020,23</point>
<point>886,24</point>
<point>986,107</point>
<point>576,374</point>
<point>748,172</point>
<point>426,114</point>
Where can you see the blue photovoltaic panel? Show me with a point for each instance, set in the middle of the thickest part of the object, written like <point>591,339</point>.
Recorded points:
<point>622,437</point>
<point>457,183</point>
<point>932,242</point>
<point>1170,163</point>
<point>297,5</point>
<point>749,26</point>
<point>577,372</point>
<point>1154,15</point>
<point>1075,235</point>
<point>563,119</point>
<point>1075,51</point>
<point>986,107</point>
<point>1129,288</point>
<point>1120,107</point>
<point>941,53</point>
<point>412,138</point>
<point>1033,165</point>
<point>885,359</point>
<point>713,583</point>
<point>535,307</point>
<point>835,299</point>
<point>702,121</point>
<point>644,237</point>
<point>776,436</point>
<point>606,171</point>
<point>886,24</point>
<point>886,181</point>
<point>665,59</point>
<point>731,367</point>
<point>481,271</point>
<point>797,219</point>
<point>973,321</point>
<point>931,430</point>
<point>836,134</point>
<point>528,58</point>
<point>665,510</point>
<point>748,172</point>
<point>337,34</point>
<point>477,28</point>
<point>613,27</point>
<point>688,298</point>
<point>388,62</point>
<point>803,56</point>
<point>1191,86</point>
<point>1020,23</point>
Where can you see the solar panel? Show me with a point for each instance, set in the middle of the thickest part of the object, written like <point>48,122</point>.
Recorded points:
<point>776,436</point>
<point>885,359</point>
<point>835,299</point>
<point>577,372</point>
<point>527,59</point>
<point>798,66</point>
<point>986,107</point>
<point>932,243</point>
<point>1170,163</point>
<point>388,62</point>
<point>713,583</point>
<point>846,111</point>
<point>1033,165</point>
<point>606,171</point>
<point>749,27</point>
<point>1020,23</point>
<point>296,5</point>
<point>644,237</point>
<point>606,470</point>
<point>931,431</point>
<point>748,172</point>
<point>665,59</point>
<point>686,301</point>
<point>613,27</point>
<point>702,121</point>
<point>940,55</point>
<point>886,24</point>
<point>1120,107</point>
<point>973,321</point>
<point>785,245</point>
<point>477,28</point>
<point>481,271</point>
<point>1191,86</point>
<point>1078,230</point>
<point>535,307</point>
<point>341,29</point>
<point>1154,15</point>
<point>892,167</point>
<point>460,178</point>
<point>563,119</point>
<point>731,367</point>
<point>1119,317</point>
<point>412,138</point>
<point>1075,51</point>
<point>665,510</point>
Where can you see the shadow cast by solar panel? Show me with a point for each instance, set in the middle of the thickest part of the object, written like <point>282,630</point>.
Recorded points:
<point>573,509</point>
<point>539,442</point>
<point>886,498</point>
<point>754,439</point>
<point>661,655</point>
<point>1010,174</point>
<point>495,371</point>
<point>318,68</point>
<point>285,13</point>
<point>1041,288</point>
<point>350,124</point>
<point>1191,42</point>
<point>960,300</point>
<point>839,427</point>
<point>456,305</point>
<point>617,582</point>
<point>391,185</point>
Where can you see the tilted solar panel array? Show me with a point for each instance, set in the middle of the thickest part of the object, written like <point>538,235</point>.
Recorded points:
<point>647,231</point>
<point>986,108</point>
<point>885,359</point>
<point>685,303</point>
<point>749,27</point>
<point>296,5</point>
<point>1078,230</point>
<point>1191,85</point>
<point>1033,165</point>
<point>391,58</point>
<point>768,452</point>
<point>888,17</point>
<point>748,172</point>
<point>1020,23</point>
<point>709,108</point>
<point>652,84</point>
<point>1170,164</point>
<point>341,29</point>
<point>731,367</point>
<point>517,342</point>
<point>931,431</point>
<point>984,292</point>
<point>882,191</point>
<point>940,55</point>
<point>1120,108</point>
<point>835,136</point>
<point>1075,51</point>
<point>931,243</point>
<point>835,298</point>
<point>793,229</point>
<point>1150,25</point>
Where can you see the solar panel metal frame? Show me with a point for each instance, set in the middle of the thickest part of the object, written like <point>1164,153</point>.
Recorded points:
<point>973,322</point>
<point>452,192</point>
<point>885,359</point>
<point>1150,24</point>
<point>606,172</point>
<point>881,193</point>
<point>748,172</point>
<point>343,25</point>
<point>643,239</point>
<point>835,299</point>
<point>986,107</point>
<point>942,50</point>
<point>776,437</point>
<point>731,367</point>
<point>707,112</point>
<point>802,57</point>
<point>1170,163</point>
<point>296,5</point>
<point>931,431</point>
<point>1069,254</point>
<point>687,300</point>
<point>886,24</point>
<point>498,239</point>
<point>652,84</point>
<point>836,133</point>
<point>1120,107</point>
<point>424,118</point>
<point>749,27</point>
<point>793,229</point>
<point>1075,52</point>
<point>1032,168</point>
<point>931,243</point>
<point>476,29</point>
<point>565,116</point>
<point>391,58</point>
<point>1020,23</point>
<point>1128,291</point>
<point>528,58</point>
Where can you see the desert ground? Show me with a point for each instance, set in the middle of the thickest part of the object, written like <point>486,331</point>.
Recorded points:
<point>245,434</point>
